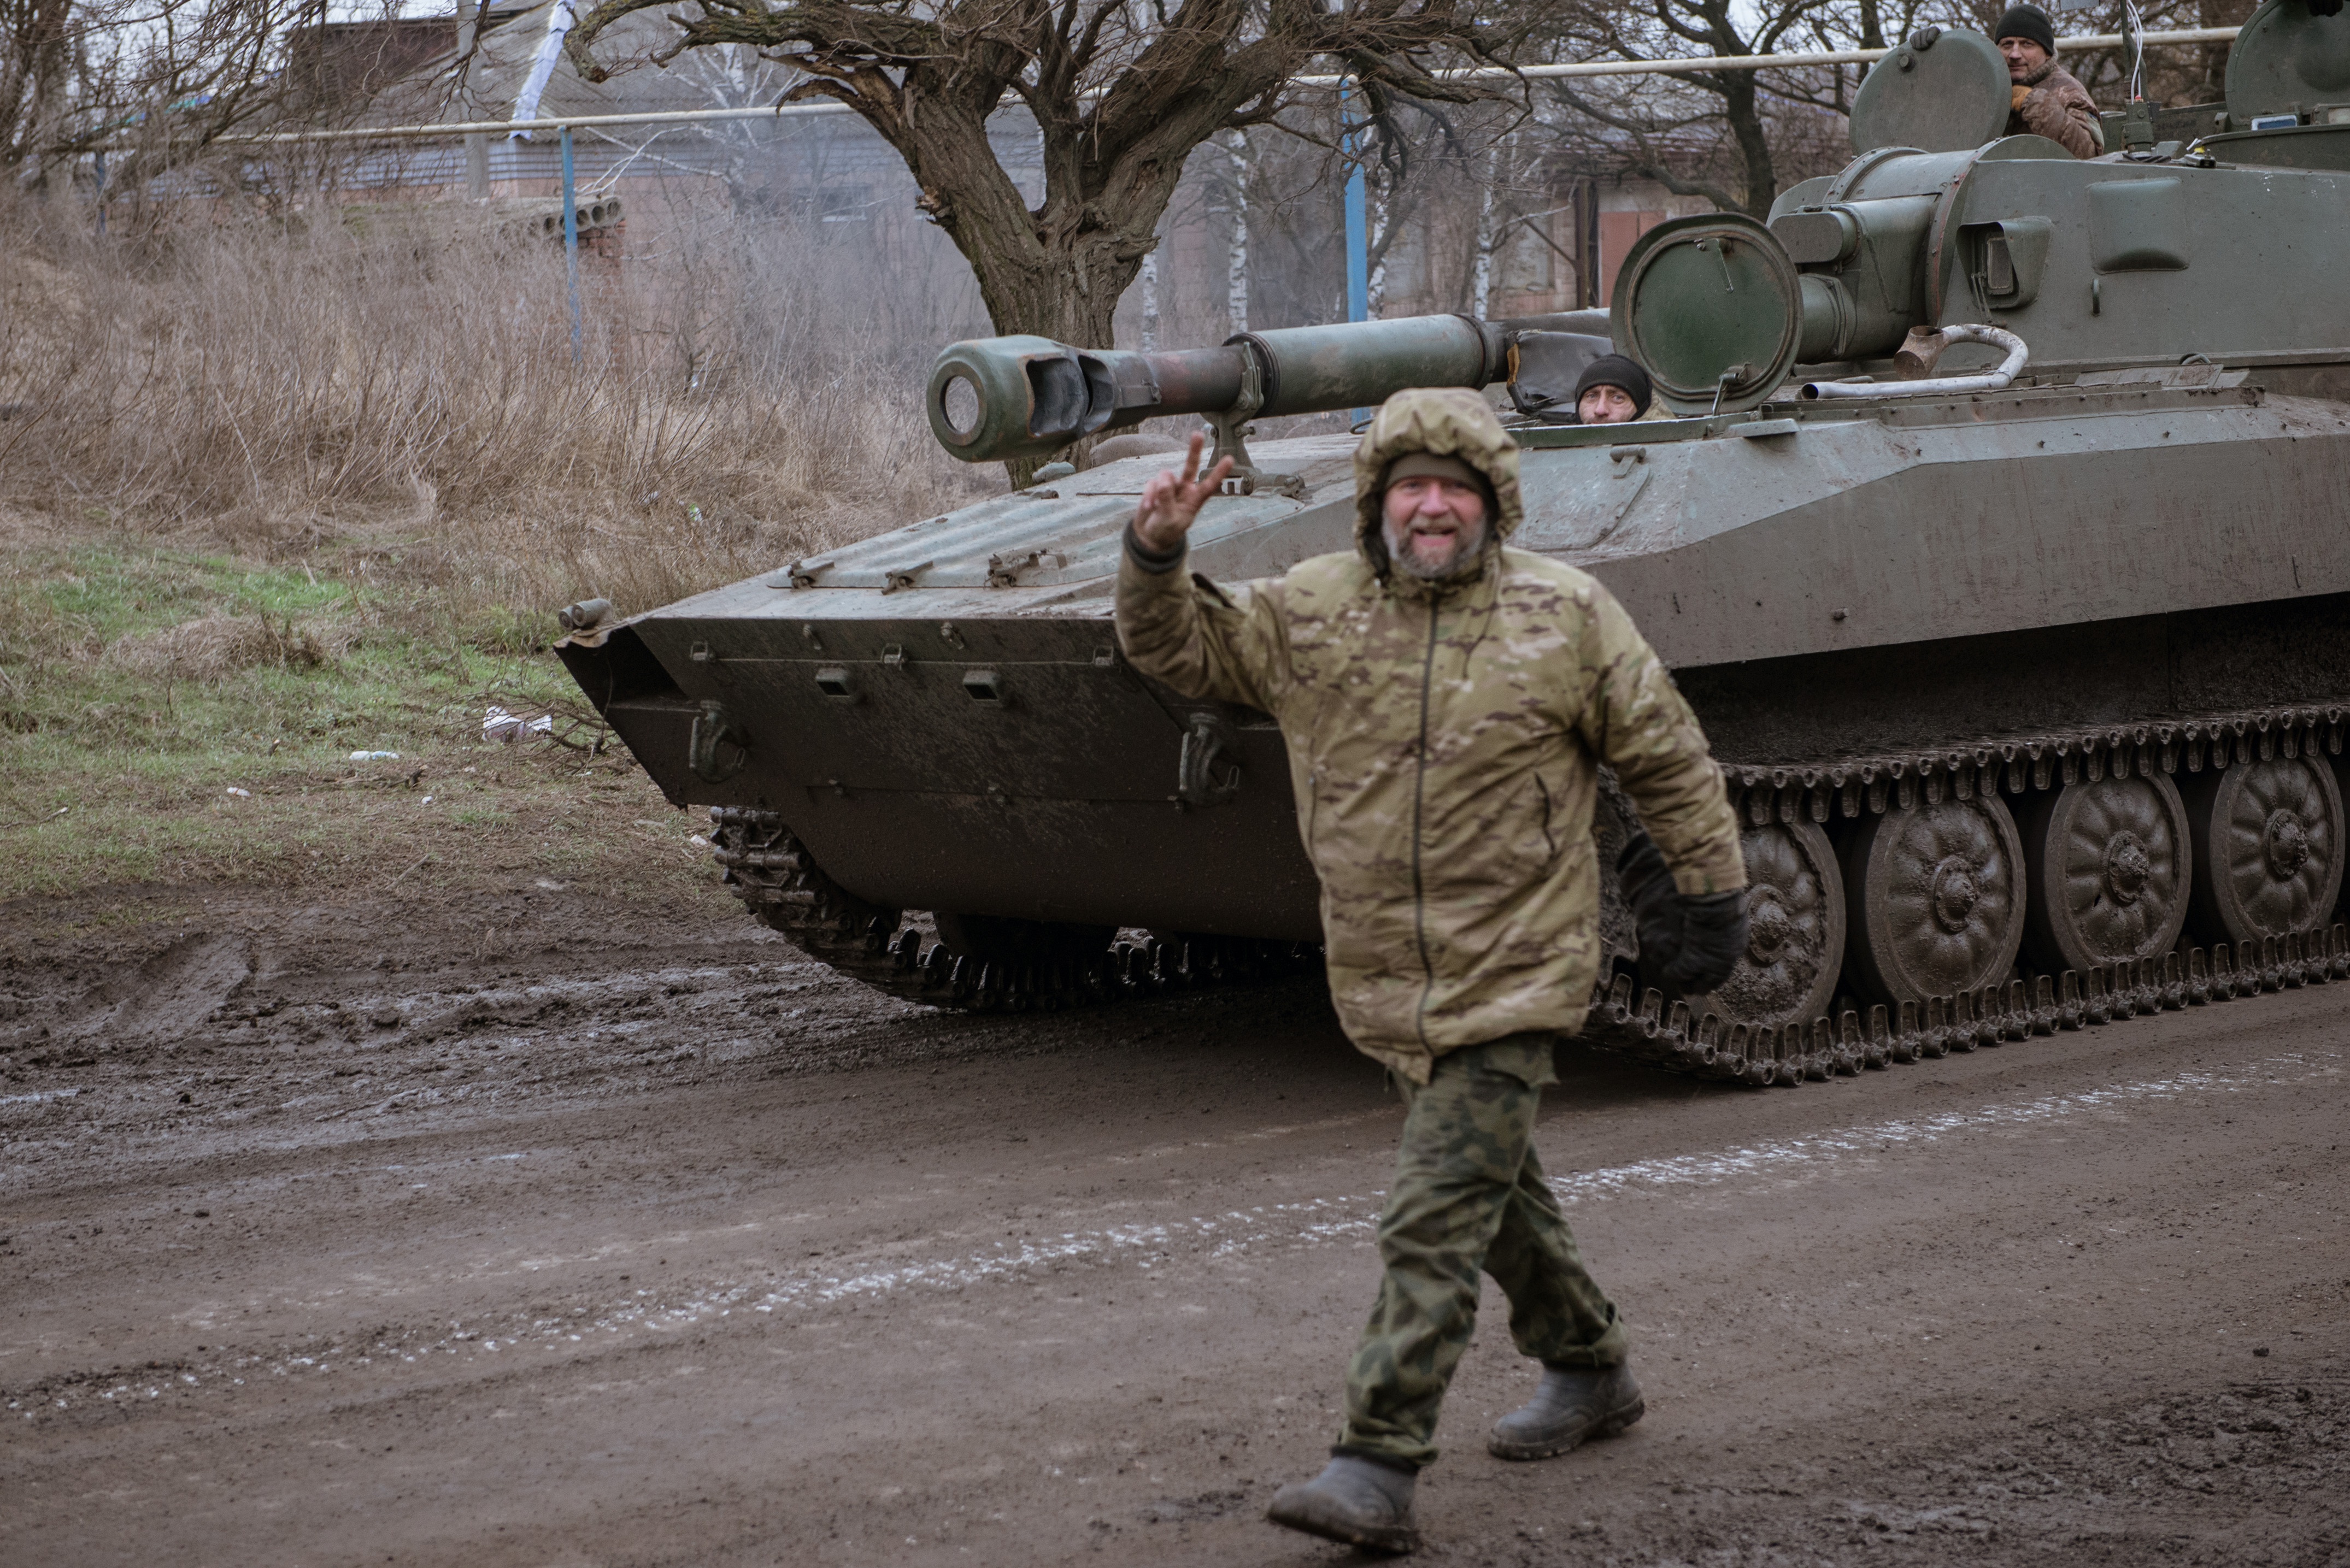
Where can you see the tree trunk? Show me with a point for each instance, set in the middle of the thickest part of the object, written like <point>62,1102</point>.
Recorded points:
<point>1481,271</point>
<point>1872,25</point>
<point>1741,105</point>
<point>1150,303</point>
<point>1057,270</point>
<point>1744,108</point>
<point>1236,258</point>
<point>1377,238</point>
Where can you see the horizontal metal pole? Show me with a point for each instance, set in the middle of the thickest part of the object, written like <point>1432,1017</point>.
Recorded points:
<point>515,127</point>
<point>1474,73</point>
<point>1766,62</point>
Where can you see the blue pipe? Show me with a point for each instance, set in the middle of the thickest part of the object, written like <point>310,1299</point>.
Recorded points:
<point>571,241</point>
<point>1358,228</point>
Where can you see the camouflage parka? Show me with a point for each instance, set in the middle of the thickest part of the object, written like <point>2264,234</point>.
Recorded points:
<point>2052,103</point>
<point>1444,742</point>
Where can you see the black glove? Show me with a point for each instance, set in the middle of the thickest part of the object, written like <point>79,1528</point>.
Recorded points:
<point>1647,884</point>
<point>1713,935</point>
<point>1688,941</point>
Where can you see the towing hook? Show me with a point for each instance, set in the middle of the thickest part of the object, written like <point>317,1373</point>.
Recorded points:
<point>716,751</point>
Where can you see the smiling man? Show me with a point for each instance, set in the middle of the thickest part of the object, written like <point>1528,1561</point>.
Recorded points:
<point>1447,702</point>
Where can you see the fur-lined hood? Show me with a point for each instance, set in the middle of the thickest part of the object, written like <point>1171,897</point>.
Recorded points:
<point>1449,422</point>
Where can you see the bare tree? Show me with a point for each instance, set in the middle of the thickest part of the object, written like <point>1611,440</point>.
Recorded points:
<point>149,83</point>
<point>1647,121</point>
<point>1233,190</point>
<point>1121,92</point>
<point>37,39</point>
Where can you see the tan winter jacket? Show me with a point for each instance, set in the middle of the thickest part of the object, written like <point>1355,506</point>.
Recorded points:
<point>1444,741</point>
<point>2050,103</point>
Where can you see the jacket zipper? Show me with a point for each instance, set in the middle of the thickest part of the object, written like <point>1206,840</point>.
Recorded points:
<point>1419,803</point>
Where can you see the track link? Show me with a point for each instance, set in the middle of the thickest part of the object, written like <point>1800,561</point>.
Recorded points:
<point>782,885</point>
<point>1845,786</point>
<point>1664,1032</point>
<point>779,881</point>
<point>1668,1037</point>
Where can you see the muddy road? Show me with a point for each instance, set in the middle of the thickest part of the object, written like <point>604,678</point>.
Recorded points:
<point>529,1232</point>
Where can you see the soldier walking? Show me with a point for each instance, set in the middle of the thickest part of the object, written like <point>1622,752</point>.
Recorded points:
<point>1447,702</point>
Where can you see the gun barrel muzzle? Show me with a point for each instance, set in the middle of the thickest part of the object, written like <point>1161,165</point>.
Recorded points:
<point>996,397</point>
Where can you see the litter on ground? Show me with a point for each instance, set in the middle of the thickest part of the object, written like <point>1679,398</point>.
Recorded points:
<point>497,724</point>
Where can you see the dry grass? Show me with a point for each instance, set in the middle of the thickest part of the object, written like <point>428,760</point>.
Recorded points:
<point>271,493</point>
<point>213,645</point>
<point>284,389</point>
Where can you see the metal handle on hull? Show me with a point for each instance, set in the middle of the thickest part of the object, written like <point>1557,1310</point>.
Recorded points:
<point>1206,748</point>
<point>2018,355</point>
<point>712,730</point>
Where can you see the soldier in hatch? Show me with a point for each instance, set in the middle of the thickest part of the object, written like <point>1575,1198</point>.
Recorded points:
<point>1447,702</point>
<point>1613,390</point>
<point>2043,98</point>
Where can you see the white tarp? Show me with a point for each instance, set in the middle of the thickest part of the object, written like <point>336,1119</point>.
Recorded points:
<point>559,18</point>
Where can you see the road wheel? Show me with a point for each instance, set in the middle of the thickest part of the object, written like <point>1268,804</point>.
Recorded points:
<point>2107,865</point>
<point>1935,895</point>
<point>2268,841</point>
<point>1794,928</point>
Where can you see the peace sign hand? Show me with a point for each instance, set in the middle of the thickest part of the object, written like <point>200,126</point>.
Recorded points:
<point>1170,502</point>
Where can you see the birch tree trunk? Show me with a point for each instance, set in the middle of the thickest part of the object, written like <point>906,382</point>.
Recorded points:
<point>1236,260</point>
<point>1480,269</point>
<point>1150,303</point>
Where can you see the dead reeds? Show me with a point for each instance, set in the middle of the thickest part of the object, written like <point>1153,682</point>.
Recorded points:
<point>400,395</point>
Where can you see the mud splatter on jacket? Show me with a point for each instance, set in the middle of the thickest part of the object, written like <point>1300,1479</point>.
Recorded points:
<point>2059,108</point>
<point>1444,741</point>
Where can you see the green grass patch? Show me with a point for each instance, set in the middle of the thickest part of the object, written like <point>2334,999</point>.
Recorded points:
<point>170,717</point>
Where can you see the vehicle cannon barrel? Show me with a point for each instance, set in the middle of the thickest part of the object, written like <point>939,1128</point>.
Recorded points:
<point>995,398</point>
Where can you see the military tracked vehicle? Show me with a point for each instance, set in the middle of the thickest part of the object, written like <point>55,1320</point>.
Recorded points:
<point>1999,540</point>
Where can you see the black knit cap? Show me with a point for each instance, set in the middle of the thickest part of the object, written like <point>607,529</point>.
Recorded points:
<point>1615,371</point>
<point>2028,22</point>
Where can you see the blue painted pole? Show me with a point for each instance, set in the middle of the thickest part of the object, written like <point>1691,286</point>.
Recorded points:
<point>571,241</point>
<point>1358,228</point>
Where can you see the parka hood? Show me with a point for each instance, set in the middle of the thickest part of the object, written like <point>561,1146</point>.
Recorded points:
<point>1450,421</point>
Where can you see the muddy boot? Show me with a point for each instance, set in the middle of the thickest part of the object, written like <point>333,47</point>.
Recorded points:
<point>1573,1405</point>
<point>1359,1501</point>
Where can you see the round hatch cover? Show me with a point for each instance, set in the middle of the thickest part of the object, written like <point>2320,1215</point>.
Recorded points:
<point>1713,308</point>
<point>1945,90</point>
<point>2287,61</point>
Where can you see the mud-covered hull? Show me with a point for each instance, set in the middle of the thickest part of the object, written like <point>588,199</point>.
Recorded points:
<point>1842,586</point>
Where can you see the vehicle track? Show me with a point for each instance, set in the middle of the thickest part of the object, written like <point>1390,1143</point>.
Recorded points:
<point>777,879</point>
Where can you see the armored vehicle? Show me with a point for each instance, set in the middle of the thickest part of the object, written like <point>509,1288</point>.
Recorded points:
<point>1998,541</point>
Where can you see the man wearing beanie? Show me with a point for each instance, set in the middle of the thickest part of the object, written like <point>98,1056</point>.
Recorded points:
<point>1447,702</point>
<point>1613,390</point>
<point>2043,98</point>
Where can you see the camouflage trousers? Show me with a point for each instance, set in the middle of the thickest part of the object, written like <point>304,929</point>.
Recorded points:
<point>1469,1194</point>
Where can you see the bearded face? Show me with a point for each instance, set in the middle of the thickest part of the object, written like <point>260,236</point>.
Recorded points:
<point>1434,526</point>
